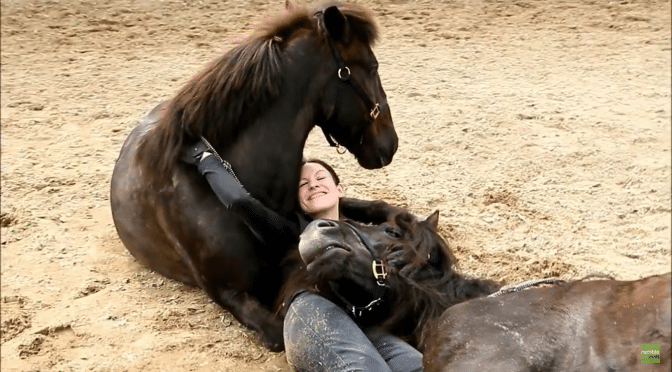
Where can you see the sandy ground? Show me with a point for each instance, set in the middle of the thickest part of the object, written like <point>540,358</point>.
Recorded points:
<point>539,129</point>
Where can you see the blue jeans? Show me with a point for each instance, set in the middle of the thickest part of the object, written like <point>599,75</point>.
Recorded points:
<point>320,336</point>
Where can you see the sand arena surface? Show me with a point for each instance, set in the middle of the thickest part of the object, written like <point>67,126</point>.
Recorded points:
<point>539,129</point>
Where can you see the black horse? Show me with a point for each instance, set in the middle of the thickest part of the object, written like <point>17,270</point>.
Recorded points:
<point>421,278</point>
<point>256,106</point>
<point>464,324</point>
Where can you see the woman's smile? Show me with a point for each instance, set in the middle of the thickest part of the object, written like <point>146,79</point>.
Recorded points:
<point>317,195</point>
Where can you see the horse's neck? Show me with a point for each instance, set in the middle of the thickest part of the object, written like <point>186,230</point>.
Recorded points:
<point>465,287</point>
<point>269,151</point>
<point>267,157</point>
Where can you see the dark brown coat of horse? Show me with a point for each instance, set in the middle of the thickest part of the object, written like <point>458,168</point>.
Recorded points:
<point>582,325</point>
<point>256,105</point>
<point>587,326</point>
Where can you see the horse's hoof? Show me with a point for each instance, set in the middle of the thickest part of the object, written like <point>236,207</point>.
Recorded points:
<point>272,338</point>
<point>275,345</point>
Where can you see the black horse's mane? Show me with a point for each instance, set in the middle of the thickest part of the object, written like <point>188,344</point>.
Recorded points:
<point>234,89</point>
<point>431,282</point>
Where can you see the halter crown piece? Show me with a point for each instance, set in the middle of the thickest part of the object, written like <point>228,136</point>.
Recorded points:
<point>345,77</point>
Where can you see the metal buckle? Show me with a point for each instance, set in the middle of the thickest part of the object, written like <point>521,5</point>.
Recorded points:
<point>375,111</point>
<point>347,76</point>
<point>379,272</point>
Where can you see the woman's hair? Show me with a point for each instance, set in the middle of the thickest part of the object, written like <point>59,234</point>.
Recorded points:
<point>326,166</point>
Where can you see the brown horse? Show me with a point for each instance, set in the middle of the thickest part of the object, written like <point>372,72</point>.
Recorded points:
<point>256,106</point>
<point>577,326</point>
<point>574,326</point>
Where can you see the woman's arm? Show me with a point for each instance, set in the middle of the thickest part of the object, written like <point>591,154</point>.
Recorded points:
<point>268,225</point>
<point>368,211</point>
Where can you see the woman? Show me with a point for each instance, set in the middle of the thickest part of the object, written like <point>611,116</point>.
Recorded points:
<point>319,190</point>
<point>320,336</point>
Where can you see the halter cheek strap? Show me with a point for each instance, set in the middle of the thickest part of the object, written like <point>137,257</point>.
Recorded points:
<point>345,77</point>
<point>379,270</point>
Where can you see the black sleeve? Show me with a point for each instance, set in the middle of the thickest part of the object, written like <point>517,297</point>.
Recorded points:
<point>223,183</point>
<point>268,225</point>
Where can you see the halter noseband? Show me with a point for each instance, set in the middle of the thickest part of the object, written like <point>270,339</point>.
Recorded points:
<point>379,273</point>
<point>345,77</point>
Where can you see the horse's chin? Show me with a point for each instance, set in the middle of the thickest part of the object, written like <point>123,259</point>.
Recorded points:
<point>373,158</point>
<point>373,162</point>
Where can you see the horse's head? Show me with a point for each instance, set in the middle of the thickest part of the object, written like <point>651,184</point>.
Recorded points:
<point>344,265</point>
<point>353,109</point>
<point>364,265</point>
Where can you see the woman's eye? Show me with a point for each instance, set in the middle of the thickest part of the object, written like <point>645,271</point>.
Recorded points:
<point>302,184</point>
<point>321,178</point>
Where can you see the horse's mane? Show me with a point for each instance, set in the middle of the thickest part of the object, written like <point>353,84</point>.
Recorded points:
<point>429,289</point>
<point>234,89</point>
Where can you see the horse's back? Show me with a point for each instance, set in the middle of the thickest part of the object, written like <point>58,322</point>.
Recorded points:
<point>585,325</point>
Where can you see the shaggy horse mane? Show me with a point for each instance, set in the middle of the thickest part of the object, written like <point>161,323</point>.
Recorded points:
<point>234,89</point>
<point>429,291</point>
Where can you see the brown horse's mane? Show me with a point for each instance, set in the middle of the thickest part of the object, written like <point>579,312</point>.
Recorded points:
<point>235,88</point>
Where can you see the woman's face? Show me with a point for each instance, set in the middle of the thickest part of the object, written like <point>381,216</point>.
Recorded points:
<point>318,193</point>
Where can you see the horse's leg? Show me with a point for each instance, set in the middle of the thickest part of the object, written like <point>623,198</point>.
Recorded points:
<point>249,311</point>
<point>244,307</point>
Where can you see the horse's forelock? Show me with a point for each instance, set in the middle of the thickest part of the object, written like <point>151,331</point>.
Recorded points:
<point>363,24</point>
<point>360,19</point>
<point>422,298</point>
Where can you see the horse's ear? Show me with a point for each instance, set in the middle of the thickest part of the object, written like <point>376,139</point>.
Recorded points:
<point>290,5</point>
<point>433,220</point>
<point>336,23</point>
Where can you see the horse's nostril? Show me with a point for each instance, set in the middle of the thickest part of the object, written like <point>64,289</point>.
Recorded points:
<point>326,223</point>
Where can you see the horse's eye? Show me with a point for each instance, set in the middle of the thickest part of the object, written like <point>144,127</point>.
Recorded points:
<point>391,231</point>
<point>374,68</point>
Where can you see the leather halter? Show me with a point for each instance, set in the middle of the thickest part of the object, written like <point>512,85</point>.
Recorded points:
<point>379,273</point>
<point>345,77</point>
